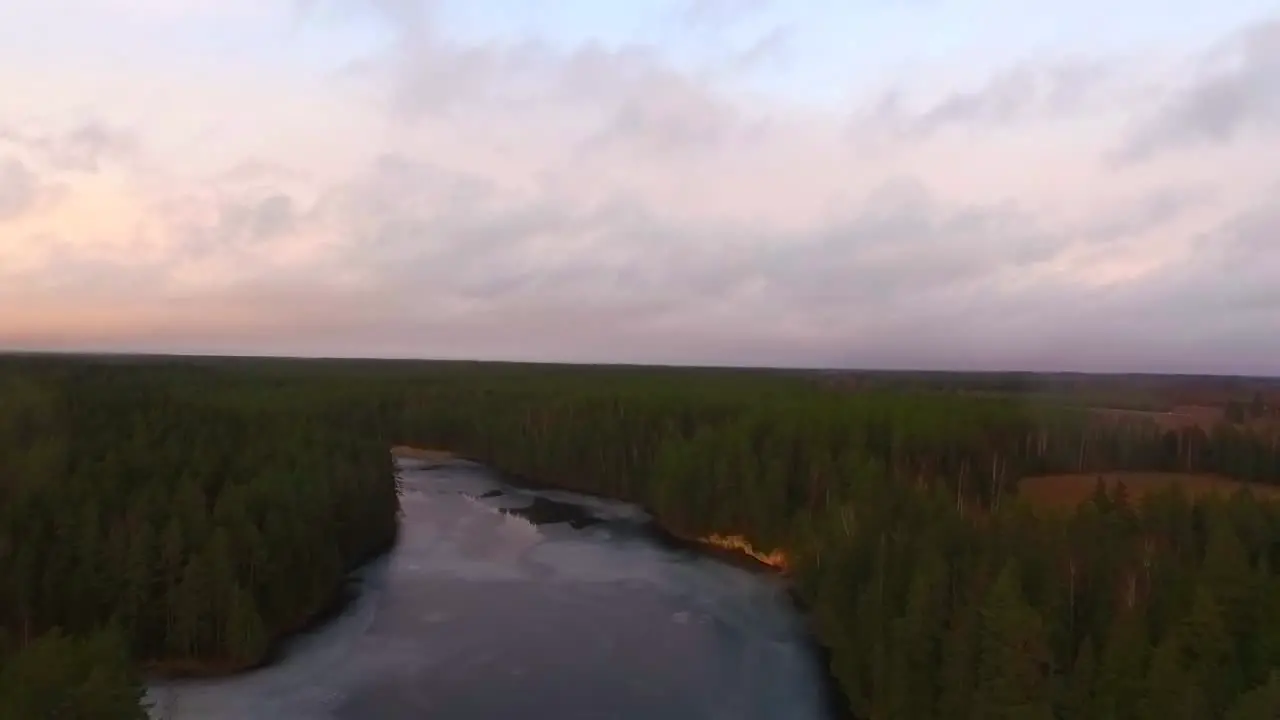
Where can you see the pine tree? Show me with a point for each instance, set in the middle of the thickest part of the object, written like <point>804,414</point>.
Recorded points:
<point>1261,703</point>
<point>1207,652</point>
<point>1171,691</point>
<point>914,646</point>
<point>1119,686</point>
<point>1078,696</point>
<point>244,632</point>
<point>1013,658</point>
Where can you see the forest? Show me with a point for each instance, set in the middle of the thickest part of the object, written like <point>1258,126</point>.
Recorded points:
<point>180,516</point>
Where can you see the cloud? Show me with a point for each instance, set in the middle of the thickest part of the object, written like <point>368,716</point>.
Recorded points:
<point>1152,210</point>
<point>24,191</point>
<point>598,95</point>
<point>19,189</point>
<point>88,145</point>
<point>233,222</point>
<point>551,197</point>
<point>83,148</point>
<point>1046,89</point>
<point>1232,89</point>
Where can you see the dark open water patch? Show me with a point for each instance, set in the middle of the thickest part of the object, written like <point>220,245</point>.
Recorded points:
<point>546,511</point>
<point>543,511</point>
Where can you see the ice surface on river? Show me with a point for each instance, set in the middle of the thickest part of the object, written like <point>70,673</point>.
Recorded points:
<point>480,613</point>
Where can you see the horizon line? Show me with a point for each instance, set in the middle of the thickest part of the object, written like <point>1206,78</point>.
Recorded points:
<point>179,355</point>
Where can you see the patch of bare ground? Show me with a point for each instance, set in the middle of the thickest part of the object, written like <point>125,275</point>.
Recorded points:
<point>426,455</point>
<point>776,559</point>
<point>1065,491</point>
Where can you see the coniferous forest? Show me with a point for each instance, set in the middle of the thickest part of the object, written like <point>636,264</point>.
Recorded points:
<point>179,516</point>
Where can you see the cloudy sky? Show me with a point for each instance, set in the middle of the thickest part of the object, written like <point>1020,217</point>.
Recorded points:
<point>905,183</point>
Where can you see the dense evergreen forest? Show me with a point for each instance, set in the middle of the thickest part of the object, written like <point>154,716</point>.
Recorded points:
<point>182,517</point>
<point>187,513</point>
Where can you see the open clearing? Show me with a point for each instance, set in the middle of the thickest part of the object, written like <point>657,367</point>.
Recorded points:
<point>1071,490</point>
<point>1179,418</point>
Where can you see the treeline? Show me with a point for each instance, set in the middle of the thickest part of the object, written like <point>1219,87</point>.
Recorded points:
<point>1256,409</point>
<point>183,520</point>
<point>185,514</point>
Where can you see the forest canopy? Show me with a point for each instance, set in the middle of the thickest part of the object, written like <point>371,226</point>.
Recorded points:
<point>187,514</point>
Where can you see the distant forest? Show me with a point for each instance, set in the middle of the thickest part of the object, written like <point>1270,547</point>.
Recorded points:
<point>181,516</point>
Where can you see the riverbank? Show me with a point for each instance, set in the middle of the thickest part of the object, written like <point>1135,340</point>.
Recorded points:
<point>333,606</point>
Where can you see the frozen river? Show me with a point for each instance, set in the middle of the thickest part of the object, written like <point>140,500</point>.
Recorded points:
<point>507,603</point>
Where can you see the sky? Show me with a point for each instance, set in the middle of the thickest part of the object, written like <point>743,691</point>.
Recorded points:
<point>942,184</point>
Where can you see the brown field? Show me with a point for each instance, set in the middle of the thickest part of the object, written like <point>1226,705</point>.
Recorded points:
<point>1071,490</point>
<point>1177,418</point>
